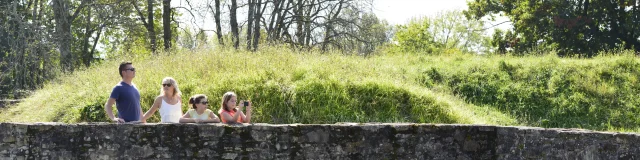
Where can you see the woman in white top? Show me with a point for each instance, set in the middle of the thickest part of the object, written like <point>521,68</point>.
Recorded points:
<point>199,113</point>
<point>169,102</point>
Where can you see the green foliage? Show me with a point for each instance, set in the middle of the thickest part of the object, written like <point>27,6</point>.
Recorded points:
<point>448,32</point>
<point>362,35</point>
<point>93,113</point>
<point>128,36</point>
<point>595,94</point>
<point>415,37</point>
<point>27,54</point>
<point>285,87</point>
<point>572,27</point>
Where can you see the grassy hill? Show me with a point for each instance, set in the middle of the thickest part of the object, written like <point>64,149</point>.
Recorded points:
<point>288,87</point>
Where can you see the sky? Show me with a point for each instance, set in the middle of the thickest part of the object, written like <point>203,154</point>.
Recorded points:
<point>398,12</point>
<point>395,12</point>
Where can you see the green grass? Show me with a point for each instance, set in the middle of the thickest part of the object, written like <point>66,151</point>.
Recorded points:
<point>288,87</point>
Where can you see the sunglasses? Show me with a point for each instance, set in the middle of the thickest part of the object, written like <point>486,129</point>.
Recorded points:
<point>204,102</point>
<point>166,85</point>
<point>131,69</point>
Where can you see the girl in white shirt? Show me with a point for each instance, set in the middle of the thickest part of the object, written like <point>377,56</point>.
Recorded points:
<point>168,102</point>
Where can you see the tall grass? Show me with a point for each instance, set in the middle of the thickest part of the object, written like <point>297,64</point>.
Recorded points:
<point>286,87</point>
<point>599,93</point>
<point>291,87</point>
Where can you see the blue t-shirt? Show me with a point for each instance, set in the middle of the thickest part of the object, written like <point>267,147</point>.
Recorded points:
<point>127,101</point>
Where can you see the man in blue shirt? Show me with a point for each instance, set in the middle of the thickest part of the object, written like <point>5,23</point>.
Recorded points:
<point>126,97</point>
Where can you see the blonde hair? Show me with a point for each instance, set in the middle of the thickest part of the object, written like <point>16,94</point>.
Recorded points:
<point>176,90</point>
<point>226,97</point>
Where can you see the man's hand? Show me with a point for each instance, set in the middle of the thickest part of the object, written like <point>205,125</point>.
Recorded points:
<point>118,120</point>
<point>134,122</point>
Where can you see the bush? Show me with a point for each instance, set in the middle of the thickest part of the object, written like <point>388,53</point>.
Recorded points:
<point>594,94</point>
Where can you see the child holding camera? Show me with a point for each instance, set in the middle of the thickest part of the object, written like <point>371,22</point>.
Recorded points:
<point>229,113</point>
<point>199,113</point>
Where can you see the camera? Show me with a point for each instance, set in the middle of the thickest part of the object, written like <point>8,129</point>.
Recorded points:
<point>246,103</point>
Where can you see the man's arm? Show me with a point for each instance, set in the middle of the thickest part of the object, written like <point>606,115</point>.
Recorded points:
<point>109,110</point>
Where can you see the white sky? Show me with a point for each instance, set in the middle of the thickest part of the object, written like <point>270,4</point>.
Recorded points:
<point>401,11</point>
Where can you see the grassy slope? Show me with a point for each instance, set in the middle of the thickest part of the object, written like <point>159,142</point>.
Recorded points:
<point>288,87</point>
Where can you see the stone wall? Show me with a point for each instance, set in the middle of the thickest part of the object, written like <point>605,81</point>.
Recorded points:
<point>297,141</point>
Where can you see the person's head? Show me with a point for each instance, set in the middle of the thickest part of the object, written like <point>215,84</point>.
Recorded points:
<point>229,100</point>
<point>126,70</point>
<point>169,85</point>
<point>198,102</point>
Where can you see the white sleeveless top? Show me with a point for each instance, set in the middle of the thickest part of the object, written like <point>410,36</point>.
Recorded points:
<point>170,113</point>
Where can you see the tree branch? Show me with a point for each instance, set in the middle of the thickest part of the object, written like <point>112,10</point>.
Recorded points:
<point>75,14</point>
<point>490,26</point>
<point>140,14</point>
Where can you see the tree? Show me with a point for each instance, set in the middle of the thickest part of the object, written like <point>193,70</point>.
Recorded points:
<point>216,17</point>
<point>26,46</point>
<point>453,31</point>
<point>415,36</point>
<point>354,31</point>
<point>250,21</point>
<point>582,27</point>
<point>166,23</point>
<point>329,29</point>
<point>148,23</point>
<point>63,29</point>
<point>498,41</point>
<point>234,24</point>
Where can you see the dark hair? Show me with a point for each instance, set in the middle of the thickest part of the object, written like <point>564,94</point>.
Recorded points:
<point>195,99</point>
<point>123,66</point>
<point>226,97</point>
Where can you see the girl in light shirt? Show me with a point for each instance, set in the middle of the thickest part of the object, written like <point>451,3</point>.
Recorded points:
<point>199,113</point>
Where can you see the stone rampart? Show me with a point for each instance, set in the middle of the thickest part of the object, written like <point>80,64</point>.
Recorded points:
<point>307,141</point>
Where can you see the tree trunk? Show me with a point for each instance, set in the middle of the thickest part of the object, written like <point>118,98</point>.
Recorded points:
<point>307,25</point>
<point>218,26</point>
<point>234,24</point>
<point>635,19</point>
<point>63,30</point>
<point>299,24</point>
<point>148,23</point>
<point>86,57</point>
<point>250,15</point>
<point>166,23</point>
<point>277,4</point>
<point>150,28</point>
<point>280,24</point>
<point>95,40</point>
<point>329,28</point>
<point>256,31</point>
